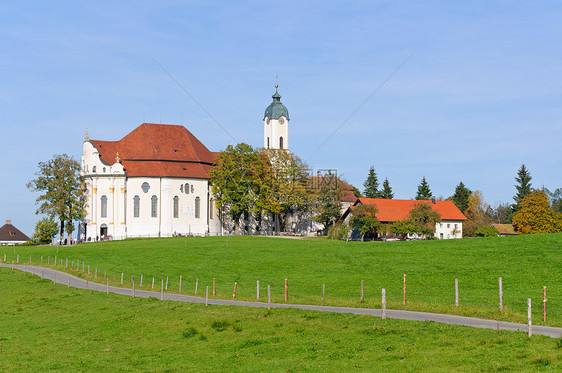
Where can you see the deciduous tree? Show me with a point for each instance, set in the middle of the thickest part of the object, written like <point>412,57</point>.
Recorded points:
<point>327,201</point>
<point>476,214</point>
<point>45,229</point>
<point>536,216</point>
<point>424,218</point>
<point>236,180</point>
<point>364,219</point>
<point>62,190</point>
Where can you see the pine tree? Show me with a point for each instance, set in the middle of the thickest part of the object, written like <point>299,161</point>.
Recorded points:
<point>460,198</point>
<point>523,187</point>
<point>423,190</point>
<point>386,190</point>
<point>371,184</point>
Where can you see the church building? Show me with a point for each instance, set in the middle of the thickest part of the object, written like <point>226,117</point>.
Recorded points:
<point>155,181</point>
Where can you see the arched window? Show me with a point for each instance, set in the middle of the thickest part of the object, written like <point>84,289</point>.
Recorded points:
<point>154,207</point>
<point>103,206</point>
<point>176,207</point>
<point>197,207</point>
<point>281,142</point>
<point>186,188</point>
<point>136,206</point>
<point>268,142</point>
<point>145,187</point>
<point>94,169</point>
<point>211,214</point>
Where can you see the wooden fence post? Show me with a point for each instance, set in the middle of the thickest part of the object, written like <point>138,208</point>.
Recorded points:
<point>196,284</point>
<point>529,316</point>
<point>234,292</point>
<point>121,278</point>
<point>383,303</point>
<point>88,269</point>
<point>207,296</point>
<point>66,263</point>
<point>96,273</point>
<point>286,290</point>
<point>30,260</point>
<point>323,290</point>
<point>140,285</point>
<point>180,283</point>
<point>213,286</point>
<point>404,300</point>
<point>268,297</point>
<point>544,303</point>
<point>153,282</point>
<point>457,292</point>
<point>362,291</point>
<point>132,279</point>
<point>162,290</point>
<point>133,288</point>
<point>41,259</point>
<point>166,283</point>
<point>501,293</point>
<point>107,286</point>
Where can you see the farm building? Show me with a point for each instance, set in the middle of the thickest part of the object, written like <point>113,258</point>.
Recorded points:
<point>391,210</point>
<point>10,235</point>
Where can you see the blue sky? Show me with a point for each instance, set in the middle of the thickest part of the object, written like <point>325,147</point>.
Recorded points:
<point>480,95</point>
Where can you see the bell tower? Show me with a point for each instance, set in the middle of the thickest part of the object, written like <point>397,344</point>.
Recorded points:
<point>276,124</point>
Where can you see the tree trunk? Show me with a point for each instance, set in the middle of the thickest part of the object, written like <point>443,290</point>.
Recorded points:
<point>363,238</point>
<point>61,238</point>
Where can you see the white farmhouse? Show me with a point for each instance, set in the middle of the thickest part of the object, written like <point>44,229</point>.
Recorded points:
<point>154,182</point>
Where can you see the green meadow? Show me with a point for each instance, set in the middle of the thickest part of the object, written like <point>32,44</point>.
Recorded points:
<point>526,264</point>
<point>47,327</point>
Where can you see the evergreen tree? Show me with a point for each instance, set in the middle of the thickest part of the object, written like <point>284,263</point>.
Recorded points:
<point>423,190</point>
<point>386,190</point>
<point>523,186</point>
<point>460,198</point>
<point>372,184</point>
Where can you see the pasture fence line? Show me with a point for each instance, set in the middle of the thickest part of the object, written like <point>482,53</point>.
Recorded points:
<point>469,294</point>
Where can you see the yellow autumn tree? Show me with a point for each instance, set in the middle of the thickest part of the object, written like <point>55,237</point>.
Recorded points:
<point>536,216</point>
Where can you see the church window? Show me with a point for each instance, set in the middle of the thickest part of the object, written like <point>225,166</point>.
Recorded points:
<point>94,169</point>
<point>191,188</point>
<point>145,187</point>
<point>154,206</point>
<point>211,214</point>
<point>186,188</point>
<point>103,206</point>
<point>181,188</point>
<point>136,206</point>
<point>268,142</point>
<point>197,208</point>
<point>104,170</point>
<point>176,207</point>
<point>281,142</point>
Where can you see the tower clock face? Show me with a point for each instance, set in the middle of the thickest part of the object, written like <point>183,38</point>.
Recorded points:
<point>281,120</point>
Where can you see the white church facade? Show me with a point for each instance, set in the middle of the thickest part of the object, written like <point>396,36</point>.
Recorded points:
<point>154,182</point>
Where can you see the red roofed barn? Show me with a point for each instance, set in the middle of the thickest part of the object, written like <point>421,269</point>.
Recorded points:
<point>391,210</point>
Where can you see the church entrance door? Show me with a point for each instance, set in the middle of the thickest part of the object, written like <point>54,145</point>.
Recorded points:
<point>103,231</point>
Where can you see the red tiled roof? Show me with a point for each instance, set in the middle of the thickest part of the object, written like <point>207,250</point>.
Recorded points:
<point>398,209</point>
<point>10,233</point>
<point>505,229</point>
<point>159,150</point>
<point>347,196</point>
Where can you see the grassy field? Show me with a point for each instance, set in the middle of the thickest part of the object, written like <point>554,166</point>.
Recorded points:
<point>526,264</point>
<point>48,327</point>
